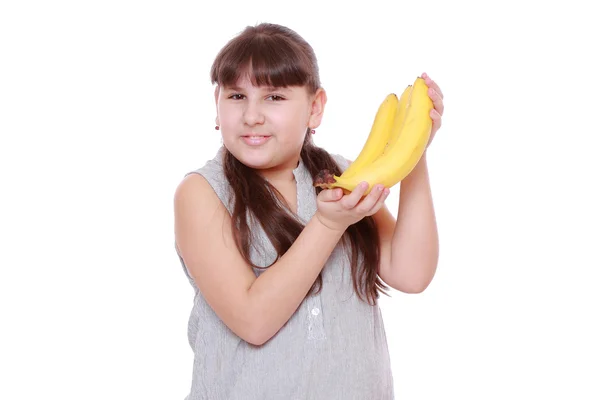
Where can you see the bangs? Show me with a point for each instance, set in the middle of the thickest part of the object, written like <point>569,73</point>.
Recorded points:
<point>272,60</point>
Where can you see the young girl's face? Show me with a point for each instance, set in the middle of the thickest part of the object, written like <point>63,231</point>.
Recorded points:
<point>264,127</point>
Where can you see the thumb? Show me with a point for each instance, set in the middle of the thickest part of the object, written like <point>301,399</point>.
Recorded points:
<point>330,195</point>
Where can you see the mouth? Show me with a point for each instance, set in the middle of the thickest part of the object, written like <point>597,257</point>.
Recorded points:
<point>255,140</point>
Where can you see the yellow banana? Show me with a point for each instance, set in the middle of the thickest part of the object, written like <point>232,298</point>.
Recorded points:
<point>399,118</point>
<point>378,137</point>
<point>402,156</point>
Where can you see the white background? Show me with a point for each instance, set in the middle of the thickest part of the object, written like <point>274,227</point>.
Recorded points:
<point>105,105</point>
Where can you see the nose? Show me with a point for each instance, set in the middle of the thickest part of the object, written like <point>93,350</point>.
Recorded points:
<point>253,114</point>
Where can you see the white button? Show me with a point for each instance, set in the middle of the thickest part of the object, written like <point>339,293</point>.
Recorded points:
<point>315,311</point>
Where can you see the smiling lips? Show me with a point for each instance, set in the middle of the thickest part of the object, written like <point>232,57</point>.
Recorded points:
<point>255,140</point>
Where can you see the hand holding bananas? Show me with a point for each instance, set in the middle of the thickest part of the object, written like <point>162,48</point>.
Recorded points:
<point>401,132</point>
<point>338,211</point>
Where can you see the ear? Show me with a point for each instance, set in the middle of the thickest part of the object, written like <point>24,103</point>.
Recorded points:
<point>217,103</point>
<point>317,108</point>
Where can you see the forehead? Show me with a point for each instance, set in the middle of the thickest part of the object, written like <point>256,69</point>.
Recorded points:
<point>245,84</point>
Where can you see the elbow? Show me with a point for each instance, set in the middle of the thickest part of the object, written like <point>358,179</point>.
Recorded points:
<point>256,339</point>
<point>408,286</point>
<point>416,284</point>
<point>258,336</point>
<point>256,323</point>
<point>253,335</point>
<point>255,331</point>
<point>409,283</point>
<point>413,279</point>
<point>413,289</point>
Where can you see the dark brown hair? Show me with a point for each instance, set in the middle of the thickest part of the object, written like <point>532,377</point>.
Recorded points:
<point>279,57</point>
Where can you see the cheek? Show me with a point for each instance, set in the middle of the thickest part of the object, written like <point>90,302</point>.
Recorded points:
<point>290,120</point>
<point>227,116</point>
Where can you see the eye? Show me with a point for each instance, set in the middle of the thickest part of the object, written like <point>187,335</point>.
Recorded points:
<point>236,96</point>
<point>275,97</point>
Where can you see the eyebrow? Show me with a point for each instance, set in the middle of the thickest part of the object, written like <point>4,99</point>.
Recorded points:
<point>266,88</point>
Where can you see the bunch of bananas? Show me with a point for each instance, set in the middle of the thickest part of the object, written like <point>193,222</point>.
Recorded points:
<point>398,138</point>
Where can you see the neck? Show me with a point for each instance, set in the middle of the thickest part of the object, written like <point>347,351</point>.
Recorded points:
<point>281,174</point>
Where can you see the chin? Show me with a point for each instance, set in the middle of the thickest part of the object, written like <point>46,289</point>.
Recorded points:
<point>252,158</point>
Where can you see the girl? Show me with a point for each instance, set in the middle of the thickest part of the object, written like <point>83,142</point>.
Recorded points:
<point>286,275</point>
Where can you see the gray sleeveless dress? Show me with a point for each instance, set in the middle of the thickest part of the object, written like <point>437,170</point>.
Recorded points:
<point>332,348</point>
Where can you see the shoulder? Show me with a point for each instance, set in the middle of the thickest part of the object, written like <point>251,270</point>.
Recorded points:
<point>197,209</point>
<point>206,183</point>
<point>194,194</point>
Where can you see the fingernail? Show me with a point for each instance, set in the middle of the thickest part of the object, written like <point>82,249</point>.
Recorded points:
<point>380,188</point>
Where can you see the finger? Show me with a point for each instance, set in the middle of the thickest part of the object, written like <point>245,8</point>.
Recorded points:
<point>370,200</point>
<point>350,200</point>
<point>329,195</point>
<point>380,202</point>
<point>438,102</point>
<point>431,83</point>
<point>436,118</point>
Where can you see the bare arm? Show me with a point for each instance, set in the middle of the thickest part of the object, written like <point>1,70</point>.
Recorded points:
<point>409,246</point>
<point>253,308</point>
